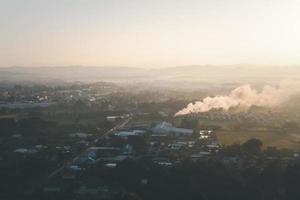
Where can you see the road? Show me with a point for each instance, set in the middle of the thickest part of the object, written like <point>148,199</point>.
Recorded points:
<point>102,136</point>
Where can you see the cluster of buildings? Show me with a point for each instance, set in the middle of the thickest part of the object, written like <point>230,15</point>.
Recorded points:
<point>163,142</point>
<point>32,96</point>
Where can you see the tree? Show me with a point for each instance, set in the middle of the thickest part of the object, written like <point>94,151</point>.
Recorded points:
<point>252,147</point>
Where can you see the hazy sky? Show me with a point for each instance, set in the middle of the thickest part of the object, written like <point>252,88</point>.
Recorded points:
<point>149,33</point>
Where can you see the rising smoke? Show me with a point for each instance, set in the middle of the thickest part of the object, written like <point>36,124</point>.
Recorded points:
<point>244,97</point>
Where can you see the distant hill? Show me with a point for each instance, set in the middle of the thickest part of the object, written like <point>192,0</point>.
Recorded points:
<point>71,73</point>
<point>205,73</point>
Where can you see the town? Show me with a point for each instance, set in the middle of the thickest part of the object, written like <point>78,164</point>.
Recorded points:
<point>96,141</point>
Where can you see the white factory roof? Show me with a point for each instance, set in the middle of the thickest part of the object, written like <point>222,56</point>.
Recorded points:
<point>166,127</point>
<point>130,133</point>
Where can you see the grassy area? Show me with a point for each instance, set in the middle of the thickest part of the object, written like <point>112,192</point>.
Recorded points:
<point>269,138</point>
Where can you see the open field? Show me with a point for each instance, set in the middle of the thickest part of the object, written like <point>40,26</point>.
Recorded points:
<point>269,138</point>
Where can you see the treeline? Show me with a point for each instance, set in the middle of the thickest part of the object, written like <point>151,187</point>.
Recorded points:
<point>208,180</point>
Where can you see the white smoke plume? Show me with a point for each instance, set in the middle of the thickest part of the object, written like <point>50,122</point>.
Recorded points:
<point>244,97</point>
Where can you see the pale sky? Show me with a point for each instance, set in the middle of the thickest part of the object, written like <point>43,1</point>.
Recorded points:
<point>149,33</point>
